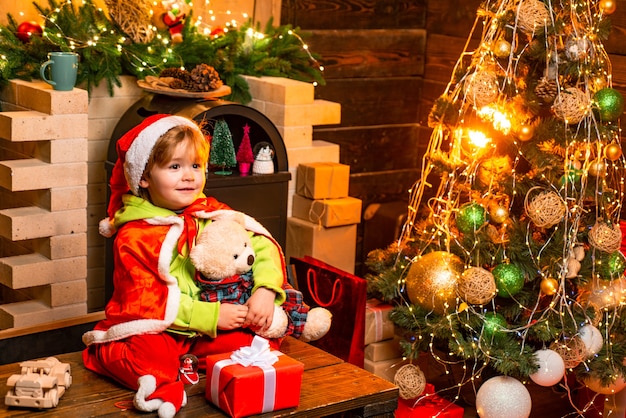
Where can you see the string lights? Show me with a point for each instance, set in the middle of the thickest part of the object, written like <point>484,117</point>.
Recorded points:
<point>532,209</point>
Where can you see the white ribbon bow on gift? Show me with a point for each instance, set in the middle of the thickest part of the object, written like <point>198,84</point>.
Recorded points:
<point>257,354</point>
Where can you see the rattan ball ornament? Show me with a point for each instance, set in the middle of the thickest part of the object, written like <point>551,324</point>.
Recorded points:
<point>410,380</point>
<point>532,16</point>
<point>571,105</point>
<point>133,17</point>
<point>572,351</point>
<point>546,209</point>
<point>481,88</point>
<point>477,286</point>
<point>605,237</point>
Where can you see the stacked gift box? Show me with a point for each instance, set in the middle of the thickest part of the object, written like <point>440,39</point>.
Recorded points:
<point>323,222</point>
<point>383,355</point>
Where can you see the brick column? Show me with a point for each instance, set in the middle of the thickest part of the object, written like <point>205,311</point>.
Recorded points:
<point>43,204</point>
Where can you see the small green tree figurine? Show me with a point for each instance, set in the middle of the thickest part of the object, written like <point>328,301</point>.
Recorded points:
<point>245,156</point>
<point>222,148</point>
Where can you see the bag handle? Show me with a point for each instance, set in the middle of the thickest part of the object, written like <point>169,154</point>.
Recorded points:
<point>311,276</point>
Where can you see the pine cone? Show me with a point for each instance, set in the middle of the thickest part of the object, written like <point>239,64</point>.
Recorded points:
<point>204,78</point>
<point>178,73</point>
<point>177,83</point>
<point>546,90</point>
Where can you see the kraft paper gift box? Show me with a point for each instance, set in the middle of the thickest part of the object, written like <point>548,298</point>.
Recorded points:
<point>253,380</point>
<point>385,369</point>
<point>335,246</point>
<point>384,350</point>
<point>378,326</point>
<point>323,180</point>
<point>428,407</point>
<point>327,212</point>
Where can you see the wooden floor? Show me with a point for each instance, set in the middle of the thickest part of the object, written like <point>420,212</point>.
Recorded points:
<point>330,387</point>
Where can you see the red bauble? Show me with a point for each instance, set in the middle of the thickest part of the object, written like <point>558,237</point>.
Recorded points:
<point>26,30</point>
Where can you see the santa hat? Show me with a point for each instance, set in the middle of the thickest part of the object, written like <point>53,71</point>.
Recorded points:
<point>133,151</point>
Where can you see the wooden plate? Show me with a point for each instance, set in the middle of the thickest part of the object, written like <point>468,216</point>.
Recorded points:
<point>221,92</point>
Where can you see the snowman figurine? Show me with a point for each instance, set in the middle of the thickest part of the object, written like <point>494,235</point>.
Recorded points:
<point>263,162</point>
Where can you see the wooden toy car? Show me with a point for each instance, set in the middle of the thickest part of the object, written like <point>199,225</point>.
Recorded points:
<point>40,384</point>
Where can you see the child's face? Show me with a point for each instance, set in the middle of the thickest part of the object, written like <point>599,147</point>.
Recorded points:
<point>179,182</point>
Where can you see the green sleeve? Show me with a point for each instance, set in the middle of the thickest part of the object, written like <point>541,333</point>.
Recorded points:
<point>267,269</point>
<point>194,315</point>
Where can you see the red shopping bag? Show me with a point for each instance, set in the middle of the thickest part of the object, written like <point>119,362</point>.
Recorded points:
<point>344,295</point>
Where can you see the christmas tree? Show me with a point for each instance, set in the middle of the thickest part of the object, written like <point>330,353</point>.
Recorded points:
<point>510,257</point>
<point>244,156</point>
<point>222,148</point>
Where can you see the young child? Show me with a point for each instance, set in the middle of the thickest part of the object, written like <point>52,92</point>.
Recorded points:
<point>155,316</point>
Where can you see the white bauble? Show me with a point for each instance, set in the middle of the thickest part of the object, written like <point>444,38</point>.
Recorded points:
<point>592,338</point>
<point>551,368</point>
<point>503,396</point>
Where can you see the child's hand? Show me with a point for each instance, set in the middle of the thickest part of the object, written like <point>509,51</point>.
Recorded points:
<point>260,309</point>
<point>231,316</point>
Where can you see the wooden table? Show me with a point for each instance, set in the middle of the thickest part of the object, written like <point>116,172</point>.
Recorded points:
<point>329,386</point>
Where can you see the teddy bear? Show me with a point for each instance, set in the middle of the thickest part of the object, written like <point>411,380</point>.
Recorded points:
<point>223,258</point>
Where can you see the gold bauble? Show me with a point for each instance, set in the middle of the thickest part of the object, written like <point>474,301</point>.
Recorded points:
<point>498,213</point>
<point>525,133</point>
<point>595,384</point>
<point>502,48</point>
<point>597,168</point>
<point>608,6</point>
<point>549,286</point>
<point>612,152</point>
<point>432,281</point>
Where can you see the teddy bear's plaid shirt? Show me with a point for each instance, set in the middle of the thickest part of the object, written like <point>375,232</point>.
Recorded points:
<point>238,288</point>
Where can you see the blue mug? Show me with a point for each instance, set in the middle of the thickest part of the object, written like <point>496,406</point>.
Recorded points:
<point>63,70</point>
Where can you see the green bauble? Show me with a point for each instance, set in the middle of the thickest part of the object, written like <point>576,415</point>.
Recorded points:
<point>612,267</point>
<point>432,281</point>
<point>470,217</point>
<point>509,279</point>
<point>494,324</point>
<point>608,104</point>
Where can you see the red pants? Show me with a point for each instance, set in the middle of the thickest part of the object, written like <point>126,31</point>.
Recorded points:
<point>159,355</point>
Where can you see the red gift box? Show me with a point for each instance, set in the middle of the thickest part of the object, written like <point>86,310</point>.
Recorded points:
<point>243,390</point>
<point>428,407</point>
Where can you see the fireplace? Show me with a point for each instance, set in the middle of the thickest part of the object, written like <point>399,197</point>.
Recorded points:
<point>262,196</point>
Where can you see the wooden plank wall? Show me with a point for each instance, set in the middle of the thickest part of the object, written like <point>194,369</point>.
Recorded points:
<point>373,53</point>
<point>386,62</point>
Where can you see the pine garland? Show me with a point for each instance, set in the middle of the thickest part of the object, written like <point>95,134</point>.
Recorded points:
<point>106,53</point>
